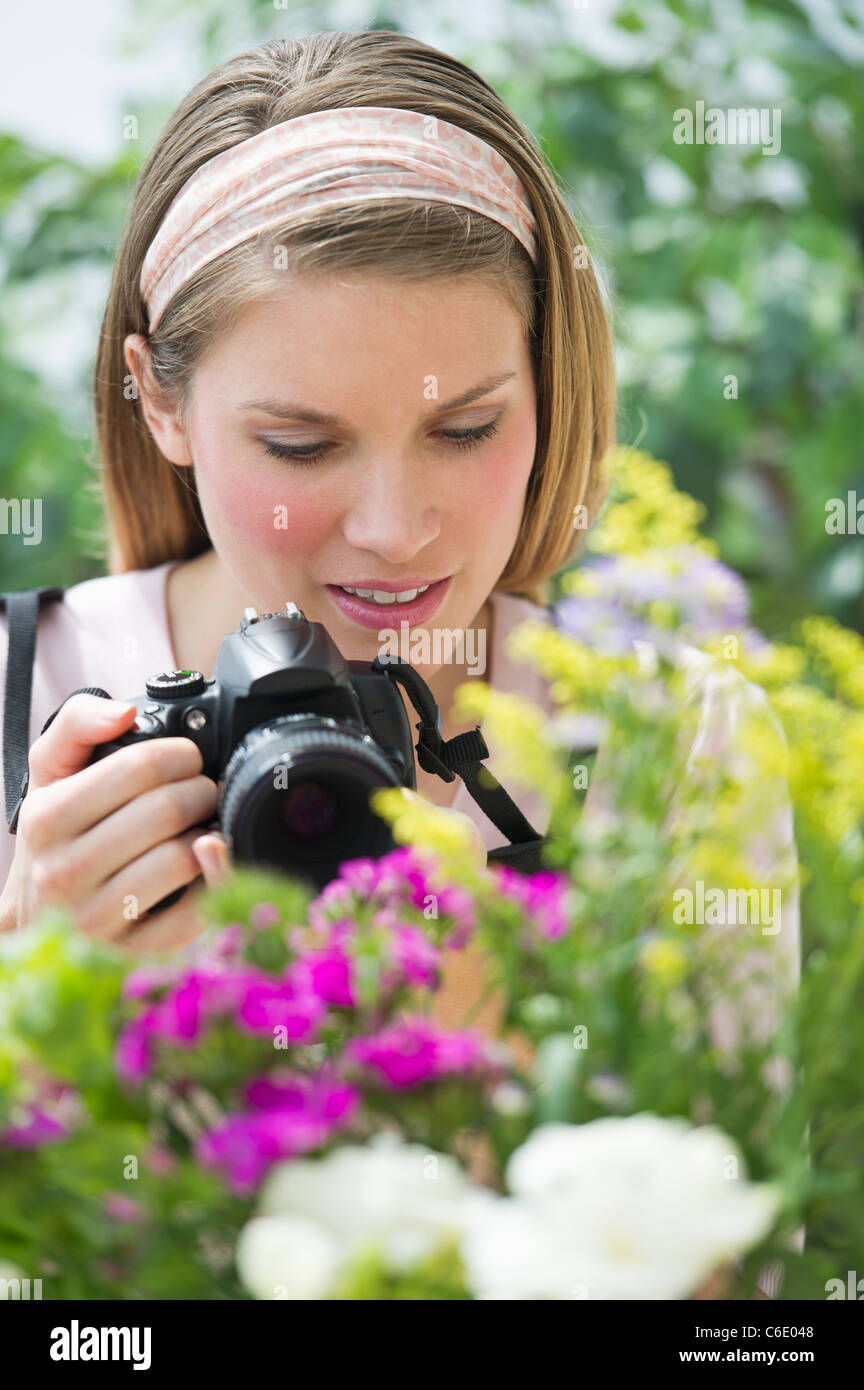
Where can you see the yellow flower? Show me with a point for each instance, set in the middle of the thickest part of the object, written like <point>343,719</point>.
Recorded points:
<point>516,727</point>
<point>576,672</point>
<point>837,653</point>
<point>452,837</point>
<point>664,960</point>
<point>777,665</point>
<point>645,510</point>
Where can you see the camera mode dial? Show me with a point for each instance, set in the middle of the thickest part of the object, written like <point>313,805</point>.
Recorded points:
<point>175,685</point>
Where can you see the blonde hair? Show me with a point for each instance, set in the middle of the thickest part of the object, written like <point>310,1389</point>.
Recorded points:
<point>153,511</point>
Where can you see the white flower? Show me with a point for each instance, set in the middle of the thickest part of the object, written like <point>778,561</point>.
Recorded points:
<point>636,1207</point>
<point>402,1198</point>
<point>287,1257</point>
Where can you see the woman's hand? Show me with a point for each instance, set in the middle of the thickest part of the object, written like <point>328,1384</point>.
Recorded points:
<point>106,841</point>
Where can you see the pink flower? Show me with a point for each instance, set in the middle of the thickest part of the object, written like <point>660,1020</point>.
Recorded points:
<point>458,904</point>
<point>147,979</point>
<point>48,1116</point>
<point>328,975</point>
<point>160,1159</point>
<point>257,1001</point>
<point>297,1113</point>
<point>543,896</point>
<point>133,1055</point>
<point>414,1051</point>
<point>417,958</point>
<point>322,1096</point>
<point>272,1003</point>
<point>181,1011</point>
<point>32,1129</point>
<point>245,1146</point>
<point>404,869</point>
<point>122,1208</point>
<point>336,896</point>
<point>362,876</point>
<point>227,945</point>
<point>264,915</point>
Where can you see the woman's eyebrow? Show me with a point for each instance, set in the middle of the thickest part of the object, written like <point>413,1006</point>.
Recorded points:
<point>286,410</point>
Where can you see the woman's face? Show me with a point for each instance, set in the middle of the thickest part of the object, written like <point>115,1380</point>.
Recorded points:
<point>328,450</point>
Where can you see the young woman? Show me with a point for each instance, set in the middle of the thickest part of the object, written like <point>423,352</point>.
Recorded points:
<point>352,339</point>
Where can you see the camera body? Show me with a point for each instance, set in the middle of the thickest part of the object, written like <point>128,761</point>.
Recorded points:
<point>296,737</point>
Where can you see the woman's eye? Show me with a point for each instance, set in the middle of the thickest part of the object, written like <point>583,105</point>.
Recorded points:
<point>302,453</point>
<point>311,453</point>
<point>466,439</point>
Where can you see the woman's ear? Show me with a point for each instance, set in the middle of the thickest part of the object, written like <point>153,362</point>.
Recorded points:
<point>165,425</point>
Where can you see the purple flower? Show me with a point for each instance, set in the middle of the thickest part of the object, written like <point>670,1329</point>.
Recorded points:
<point>245,1146</point>
<point>133,1055</point>
<point>181,1012</point>
<point>257,1002</point>
<point>707,598</point>
<point>122,1208</point>
<point>361,876</point>
<point>34,1128</point>
<point>328,975</point>
<point>160,1159</point>
<point>458,904</point>
<point>413,1051</point>
<point>264,915</point>
<point>404,874</point>
<point>322,1096</point>
<point>295,1114</point>
<point>227,945</point>
<point>272,1003</point>
<point>542,896</point>
<point>417,959</point>
<point>402,878</point>
<point>148,979</point>
<point>336,896</point>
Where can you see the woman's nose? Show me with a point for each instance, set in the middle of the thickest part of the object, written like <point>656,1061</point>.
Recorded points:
<point>391,512</point>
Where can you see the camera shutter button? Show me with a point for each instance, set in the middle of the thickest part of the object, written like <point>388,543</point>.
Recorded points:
<point>145,724</point>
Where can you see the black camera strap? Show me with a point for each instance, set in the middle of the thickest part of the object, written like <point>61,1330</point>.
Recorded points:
<point>22,613</point>
<point>461,756</point>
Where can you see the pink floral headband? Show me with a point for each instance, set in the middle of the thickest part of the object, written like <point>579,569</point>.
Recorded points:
<point>328,158</point>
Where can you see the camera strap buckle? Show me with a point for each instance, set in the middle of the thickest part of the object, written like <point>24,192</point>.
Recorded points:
<point>463,755</point>
<point>446,758</point>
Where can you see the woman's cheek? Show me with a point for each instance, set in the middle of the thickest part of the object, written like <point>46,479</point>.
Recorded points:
<point>269,513</point>
<point>495,494</point>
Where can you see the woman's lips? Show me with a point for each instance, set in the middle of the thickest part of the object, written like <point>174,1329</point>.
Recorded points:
<point>378,615</point>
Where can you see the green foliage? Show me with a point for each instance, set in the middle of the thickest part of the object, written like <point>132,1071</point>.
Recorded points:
<point>438,1276</point>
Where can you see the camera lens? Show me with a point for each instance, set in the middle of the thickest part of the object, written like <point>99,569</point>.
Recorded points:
<point>296,796</point>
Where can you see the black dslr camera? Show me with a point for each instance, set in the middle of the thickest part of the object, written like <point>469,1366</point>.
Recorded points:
<point>297,738</point>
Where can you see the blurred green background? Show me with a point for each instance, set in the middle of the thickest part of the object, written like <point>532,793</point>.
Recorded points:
<point>720,261</point>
